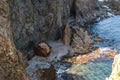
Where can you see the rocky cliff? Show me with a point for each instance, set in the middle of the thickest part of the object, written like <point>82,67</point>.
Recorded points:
<point>25,22</point>
<point>11,62</point>
<point>35,20</point>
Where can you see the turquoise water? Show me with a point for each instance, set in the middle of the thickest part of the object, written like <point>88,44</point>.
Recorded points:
<point>97,70</point>
<point>109,30</point>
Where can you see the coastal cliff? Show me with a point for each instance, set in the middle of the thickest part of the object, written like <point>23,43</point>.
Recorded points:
<point>24,23</point>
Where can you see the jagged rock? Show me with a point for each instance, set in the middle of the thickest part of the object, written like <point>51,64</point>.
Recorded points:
<point>67,34</point>
<point>83,11</point>
<point>81,40</point>
<point>42,49</point>
<point>11,62</point>
<point>46,18</point>
<point>96,54</point>
<point>115,75</point>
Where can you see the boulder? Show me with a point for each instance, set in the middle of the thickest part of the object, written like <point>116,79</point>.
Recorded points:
<point>42,49</point>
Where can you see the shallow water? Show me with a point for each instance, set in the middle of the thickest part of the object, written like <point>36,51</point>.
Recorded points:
<point>97,70</point>
<point>109,30</point>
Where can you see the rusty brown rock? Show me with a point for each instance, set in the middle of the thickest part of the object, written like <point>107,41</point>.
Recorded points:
<point>42,49</point>
<point>67,35</point>
<point>46,74</point>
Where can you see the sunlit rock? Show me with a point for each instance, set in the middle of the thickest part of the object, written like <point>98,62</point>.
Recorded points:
<point>115,75</point>
<point>94,55</point>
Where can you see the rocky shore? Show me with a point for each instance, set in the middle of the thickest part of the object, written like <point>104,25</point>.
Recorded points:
<point>61,23</point>
<point>115,75</point>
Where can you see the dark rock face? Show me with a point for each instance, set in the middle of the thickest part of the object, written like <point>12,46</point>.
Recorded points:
<point>114,5</point>
<point>36,20</point>
<point>85,11</point>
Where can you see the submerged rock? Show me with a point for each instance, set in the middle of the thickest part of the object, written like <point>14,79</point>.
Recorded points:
<point>97,70</point>
<point>98,39</point>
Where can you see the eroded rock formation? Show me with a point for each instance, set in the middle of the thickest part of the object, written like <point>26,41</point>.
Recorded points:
<point>26,21</point>
<point>36,20</point>
<point>115,75</point>
<point>11,62</point>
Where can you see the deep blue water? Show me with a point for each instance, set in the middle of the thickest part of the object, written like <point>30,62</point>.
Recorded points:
<point>109,29</point>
